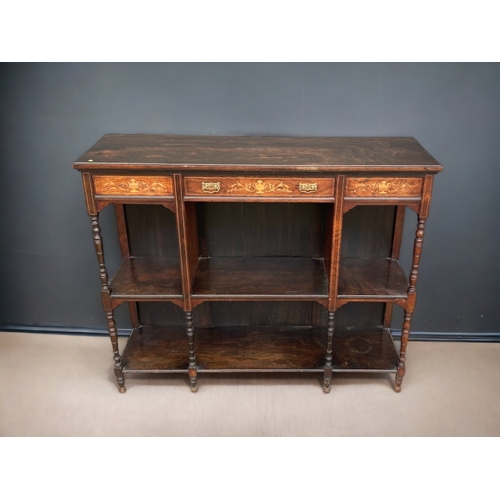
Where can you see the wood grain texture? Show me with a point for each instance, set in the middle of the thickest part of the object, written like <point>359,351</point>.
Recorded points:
<point>142,278</point>
<point>151,231</point>
<point>258,187</point>
<point>156,349</point>
<point>138,185</point>
<point>88,190</point>
<point>258,278</point>
<point>336,245</point>
<point>378,280</point>
<point>121,222</point>
<point>335,154</point>
<point>260,349</point>
<point>161,349</point>
<point>397,239</point>
<point>364,349</point>
<point>188,241</point>
<point>389,187</point>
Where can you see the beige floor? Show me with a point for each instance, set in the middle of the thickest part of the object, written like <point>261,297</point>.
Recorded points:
<point>58,385</point>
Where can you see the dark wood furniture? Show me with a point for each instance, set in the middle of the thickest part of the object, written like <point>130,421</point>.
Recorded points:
<point>238,252</point>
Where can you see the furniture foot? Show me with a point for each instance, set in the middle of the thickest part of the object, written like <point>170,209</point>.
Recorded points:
<point>193,376</point>
<point>399,378</point>
<point>119,371</point>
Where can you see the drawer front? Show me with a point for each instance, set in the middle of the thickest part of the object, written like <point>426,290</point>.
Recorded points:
<point>127,185</point>
<point>383,187</point>
<point>266,187</point>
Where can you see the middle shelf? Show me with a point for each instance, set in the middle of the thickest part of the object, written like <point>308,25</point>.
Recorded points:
<point>259,278</point>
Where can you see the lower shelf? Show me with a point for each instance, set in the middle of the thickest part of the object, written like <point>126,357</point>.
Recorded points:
<point>367,349</point>
<point>164,350</point>
<point>260,349</point>
<point>156,349</point>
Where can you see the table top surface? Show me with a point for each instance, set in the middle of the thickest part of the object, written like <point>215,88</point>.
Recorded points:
<point>168,152</point>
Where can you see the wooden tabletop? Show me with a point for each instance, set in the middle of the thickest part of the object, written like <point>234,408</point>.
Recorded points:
<point>179,152</point>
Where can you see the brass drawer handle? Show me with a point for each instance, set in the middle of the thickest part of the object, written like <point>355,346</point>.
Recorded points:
<point>308,187</point>
<point>210,187</point>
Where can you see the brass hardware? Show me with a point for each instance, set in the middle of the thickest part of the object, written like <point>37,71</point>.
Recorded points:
<point>91,160</point>
<point>210,187</point>
<point>308,187</point>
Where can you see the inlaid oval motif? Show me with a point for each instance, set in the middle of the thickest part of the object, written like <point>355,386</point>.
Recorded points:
<point>367,187</point>
<point>116,185</point>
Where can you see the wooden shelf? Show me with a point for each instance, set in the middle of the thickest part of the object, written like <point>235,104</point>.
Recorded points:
<point>142,278</point>
<point>154,349</point>
<point>371,280</point>
<point>261,349</point>
<point>164,349</point>
<point>364,349</point>
<point>264,349</point>
<point>260,278</point>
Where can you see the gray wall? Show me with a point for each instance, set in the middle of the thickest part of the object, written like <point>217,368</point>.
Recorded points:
<point>51,113</point>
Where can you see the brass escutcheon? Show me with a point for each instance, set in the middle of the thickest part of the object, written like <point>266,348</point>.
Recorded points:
<point>308,187</point>
<point>210,187</point>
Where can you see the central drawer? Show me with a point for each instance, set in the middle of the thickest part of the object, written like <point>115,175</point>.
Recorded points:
<point>298,188</point>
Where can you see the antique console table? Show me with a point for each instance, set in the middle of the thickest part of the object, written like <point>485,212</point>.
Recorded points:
<point>238,252</point>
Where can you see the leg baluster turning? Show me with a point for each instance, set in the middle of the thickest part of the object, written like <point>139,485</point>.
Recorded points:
<point>410,305</point>
<point>327,378</point>
<point>106,302</point>
<point>405,333</point>
<point>193,372</point>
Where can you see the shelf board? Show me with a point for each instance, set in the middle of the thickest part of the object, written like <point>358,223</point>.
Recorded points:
<point>259,349</point>
<point>363,280</point>
<point>262,349</point>
<point>143,278</point>
<point>156,349</point>
<point>365,349</point>
<point>260,278</point>
<point>152,349</point>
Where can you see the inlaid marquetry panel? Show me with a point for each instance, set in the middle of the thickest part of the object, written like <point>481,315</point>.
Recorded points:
<point>389,187</point>
<point>126,185</point>
<point>239,187</point>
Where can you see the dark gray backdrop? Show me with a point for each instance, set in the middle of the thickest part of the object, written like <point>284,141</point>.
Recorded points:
<point>51,113</point>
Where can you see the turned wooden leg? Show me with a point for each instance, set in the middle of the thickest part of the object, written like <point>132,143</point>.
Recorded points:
<point>193,372</point>
<point>116,353</point>
<point>106,302</point>
<point>327,378</point>
<point>410,305</point>
<point>405,333</point>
